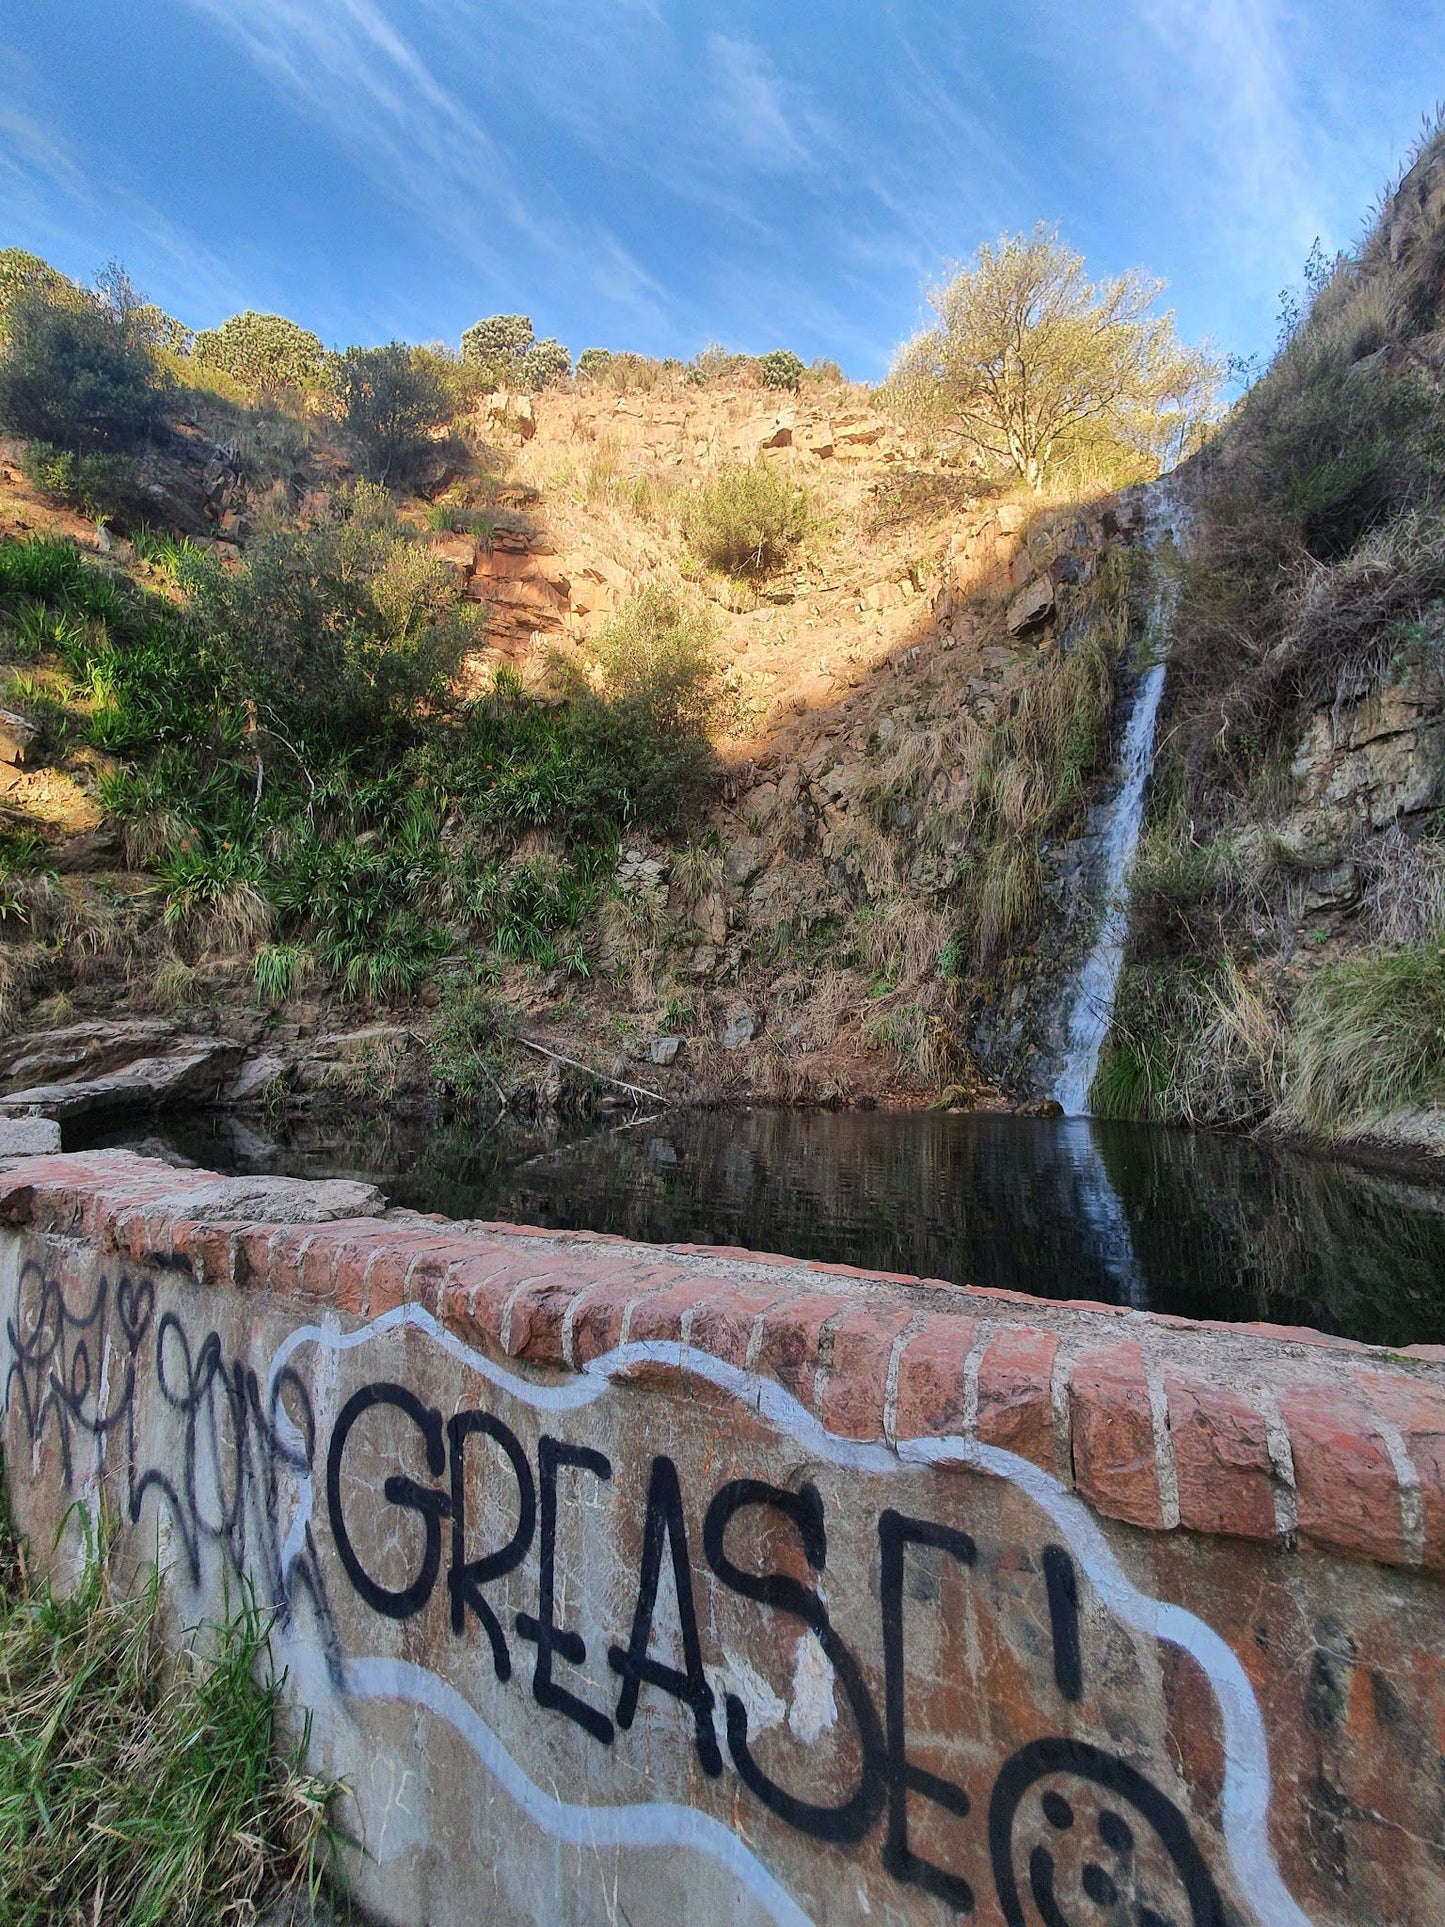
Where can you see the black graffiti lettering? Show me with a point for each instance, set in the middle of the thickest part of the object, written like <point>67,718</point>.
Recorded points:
<point>466,1578</point>
<point>895,1535</point>
<point>543,1629</point>
<point>665,1523</point>
<point>852,1818</point>
<point>220,1476</point>
<point>1047,1758</point>
<point>118,1389</point>
<point>430,1505</point>
<point>1062,1585</point>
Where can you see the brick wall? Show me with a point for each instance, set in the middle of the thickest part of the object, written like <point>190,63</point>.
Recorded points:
<point>1282,1490</point>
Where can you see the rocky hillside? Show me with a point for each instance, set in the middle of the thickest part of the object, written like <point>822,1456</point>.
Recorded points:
<point>916,687</point>
<point>801,939</point>
<point>1289,899</point>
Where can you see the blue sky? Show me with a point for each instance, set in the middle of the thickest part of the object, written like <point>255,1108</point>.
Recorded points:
<point>658,174</point>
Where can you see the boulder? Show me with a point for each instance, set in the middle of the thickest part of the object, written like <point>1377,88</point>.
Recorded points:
<point>282,1200</point>
<point>663,1050</point>
<point>102,849</point>
<point>1032,606</point>
<point>25,1137</point>
<point>742,1028</point>
<point>1373,760</point>
<point>195,1068</point>
<point>744,857</point>
<point>257,1074</point>
<point>86,1049</point>
<point>18,737</point>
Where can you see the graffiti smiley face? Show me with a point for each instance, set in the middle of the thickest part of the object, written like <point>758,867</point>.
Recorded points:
<point>1080,1839</point>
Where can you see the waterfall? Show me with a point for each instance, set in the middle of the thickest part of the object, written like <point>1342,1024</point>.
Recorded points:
<point>1098,979</point>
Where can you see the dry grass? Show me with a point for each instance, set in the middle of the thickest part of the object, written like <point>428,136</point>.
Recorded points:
<point>1367,1038</point>
<point>138,1787</point>
<point>1403,898</point>
<point>630,932</point>
<point>1201,1045</point>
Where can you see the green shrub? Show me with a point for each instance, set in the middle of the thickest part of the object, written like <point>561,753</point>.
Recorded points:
<point>263,351</point>
<point>744,521</point>
<point>781,369</point>
<point>391,397</point>
<point>544,364</point>
<point>1367,1037</point>
<point>593,362</point>
<point>504,336</point>
<point>470,1036</point>
<point>24,273</point>
<point>341,632</point>
<point>104,486</point>
<point>505,353</point>
<point>649,728</point>
<point>77,377</point>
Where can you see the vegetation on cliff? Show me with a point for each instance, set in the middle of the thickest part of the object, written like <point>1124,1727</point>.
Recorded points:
<point>1050,374</point>
<point>1288,903</point>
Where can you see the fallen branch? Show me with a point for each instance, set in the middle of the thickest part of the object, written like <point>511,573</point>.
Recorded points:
<point>636,1090</point>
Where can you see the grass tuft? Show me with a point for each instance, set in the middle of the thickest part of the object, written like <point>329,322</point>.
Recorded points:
<point>1368,1038</point>
<point>138,1788</point>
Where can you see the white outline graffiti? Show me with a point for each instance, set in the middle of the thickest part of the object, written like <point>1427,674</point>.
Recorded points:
<point>1246,1790</point>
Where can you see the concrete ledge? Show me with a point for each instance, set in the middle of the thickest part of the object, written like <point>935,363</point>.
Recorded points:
<point>1275,1434</point>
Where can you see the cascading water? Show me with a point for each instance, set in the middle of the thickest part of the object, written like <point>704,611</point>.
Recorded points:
<point>1098,980</point>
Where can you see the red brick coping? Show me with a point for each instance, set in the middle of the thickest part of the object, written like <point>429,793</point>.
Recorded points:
<point>1261,1432</point>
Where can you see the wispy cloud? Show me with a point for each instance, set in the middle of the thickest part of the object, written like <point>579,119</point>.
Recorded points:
<point>46,191</point>
<point>652,172</point>
<point>758,114</point>
<point>352,73</point>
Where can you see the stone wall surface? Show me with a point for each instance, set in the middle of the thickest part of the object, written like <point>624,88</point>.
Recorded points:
<point>634,1584</point>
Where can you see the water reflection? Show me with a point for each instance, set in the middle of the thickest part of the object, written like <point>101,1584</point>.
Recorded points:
<point>1201,1226</point>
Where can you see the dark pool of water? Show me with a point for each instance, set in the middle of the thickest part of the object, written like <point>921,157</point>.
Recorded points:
<point>1201,1226</point>
<point>1209,1227</point>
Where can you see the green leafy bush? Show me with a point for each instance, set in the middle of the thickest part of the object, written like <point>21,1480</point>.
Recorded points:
<point>470,1037</point>
<point>506,353</point>
<point>25,273</point>
<point>391,397</point>
<point>263,351</point>
<point>508,336</point>
<point>745,521</point>
<point>104,486</point>
<point>341,632</point>
<point>781,369</point>
<point>648,730</point>
<point>593,362</point>
<point>77,377</point>
<point>544,364</point>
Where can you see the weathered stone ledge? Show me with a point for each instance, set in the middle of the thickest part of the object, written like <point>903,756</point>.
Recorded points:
<point>1266,1433</point>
